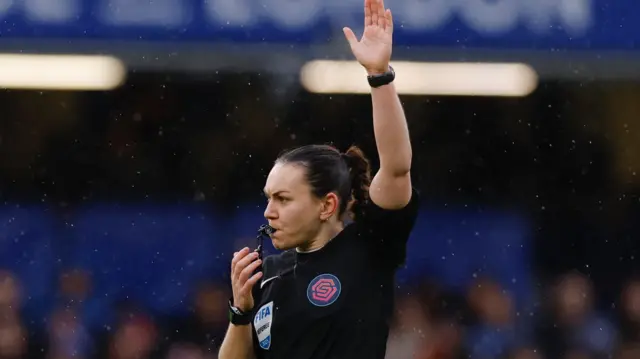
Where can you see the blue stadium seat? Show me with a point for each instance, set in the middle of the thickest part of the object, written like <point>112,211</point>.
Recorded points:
<point>153,255</point>
<point>455,247</point>
<point>26,249</point>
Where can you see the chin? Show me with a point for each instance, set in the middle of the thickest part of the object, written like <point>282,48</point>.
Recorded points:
<point>280,245</point>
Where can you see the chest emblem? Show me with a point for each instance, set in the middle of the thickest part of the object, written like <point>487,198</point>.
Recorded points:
<point>262,325</point>
<point>324,290</point>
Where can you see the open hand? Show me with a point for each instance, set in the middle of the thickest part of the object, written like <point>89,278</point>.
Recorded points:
<point>373,50</point>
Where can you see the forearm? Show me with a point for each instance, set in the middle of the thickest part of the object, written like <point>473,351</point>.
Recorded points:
<point>391,131</point>
<point>237,343</point>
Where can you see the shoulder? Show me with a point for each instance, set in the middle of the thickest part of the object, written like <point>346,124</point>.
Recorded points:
<point>386,231</point>
<point>374,215</point>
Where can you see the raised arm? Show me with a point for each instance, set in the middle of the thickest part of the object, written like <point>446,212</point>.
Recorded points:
<point>391,186</point>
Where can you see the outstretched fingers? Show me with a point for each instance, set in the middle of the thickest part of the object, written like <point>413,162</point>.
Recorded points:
<point>379,6</point>
<point>351,37</point>
<point>368,16</point>
<point>373,8</point>
<point>389,20</point>
<point>376,15</point>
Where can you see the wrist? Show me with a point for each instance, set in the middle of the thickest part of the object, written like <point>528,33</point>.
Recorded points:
<point>238,316</point>
<point>377,71</point>
<point>241,308</point>
<point>384,78</point>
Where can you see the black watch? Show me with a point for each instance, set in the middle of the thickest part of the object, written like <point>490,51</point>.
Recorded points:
<point>382,79</point>
<point>237,316</point>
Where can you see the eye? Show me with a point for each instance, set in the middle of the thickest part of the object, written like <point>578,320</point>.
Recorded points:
<point>282,199</point>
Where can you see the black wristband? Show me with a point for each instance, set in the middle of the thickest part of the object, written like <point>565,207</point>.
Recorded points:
<point>382,79</point>
<point>237,316</point>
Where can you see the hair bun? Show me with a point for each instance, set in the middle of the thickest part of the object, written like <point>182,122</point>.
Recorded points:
<point>360,175</point>
<point>347,159</point>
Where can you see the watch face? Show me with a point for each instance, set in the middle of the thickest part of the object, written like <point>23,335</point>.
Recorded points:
<point>380,80</point>
<point>236,310</point>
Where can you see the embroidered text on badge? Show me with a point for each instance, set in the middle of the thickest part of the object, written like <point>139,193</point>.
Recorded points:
<point>262,324</point>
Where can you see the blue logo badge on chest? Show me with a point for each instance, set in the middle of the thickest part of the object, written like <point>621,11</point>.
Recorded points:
<point>324,290</point>
<point>262,323</point>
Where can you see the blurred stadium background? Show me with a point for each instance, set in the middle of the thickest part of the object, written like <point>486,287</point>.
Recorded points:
<point>135,137</point>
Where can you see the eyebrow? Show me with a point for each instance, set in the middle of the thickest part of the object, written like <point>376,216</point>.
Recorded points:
<point>266,193</point>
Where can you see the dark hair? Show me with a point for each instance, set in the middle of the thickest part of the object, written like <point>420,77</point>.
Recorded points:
<point>327,170</point>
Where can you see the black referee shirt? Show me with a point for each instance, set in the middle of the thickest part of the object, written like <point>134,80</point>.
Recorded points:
<point>335,302</point>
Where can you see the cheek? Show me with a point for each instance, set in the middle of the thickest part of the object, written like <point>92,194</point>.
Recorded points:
<point>298,218</point>
<point>294,215</point>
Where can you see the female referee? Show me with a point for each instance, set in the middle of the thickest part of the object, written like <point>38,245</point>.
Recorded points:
<point>329,293</point>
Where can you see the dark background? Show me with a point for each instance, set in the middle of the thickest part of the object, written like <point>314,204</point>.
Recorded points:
<point>121,209</point>
<point>561,160</point>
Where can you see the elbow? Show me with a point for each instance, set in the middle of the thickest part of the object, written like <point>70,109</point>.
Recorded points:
<point>401,172</point>
<point>397,166</point>
<point>404,166</point>
<point>397,170</point>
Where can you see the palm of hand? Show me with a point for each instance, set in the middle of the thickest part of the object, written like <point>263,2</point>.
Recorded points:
<point>373,51</point>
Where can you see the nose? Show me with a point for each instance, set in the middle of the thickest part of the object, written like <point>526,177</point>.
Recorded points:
<point>270,212</point>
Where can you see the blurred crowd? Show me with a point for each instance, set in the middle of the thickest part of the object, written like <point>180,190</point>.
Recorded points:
<point>431,322</point>
<point>135,333</point>
<point>486,323</point>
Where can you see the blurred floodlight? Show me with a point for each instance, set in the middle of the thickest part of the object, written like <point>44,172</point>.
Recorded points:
<point>422,78</point>
<point>61,72</point>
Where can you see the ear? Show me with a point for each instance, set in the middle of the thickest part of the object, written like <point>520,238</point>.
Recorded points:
<point>330,206</point>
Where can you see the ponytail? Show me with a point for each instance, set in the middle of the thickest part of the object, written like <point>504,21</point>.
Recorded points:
<point>360,176</point>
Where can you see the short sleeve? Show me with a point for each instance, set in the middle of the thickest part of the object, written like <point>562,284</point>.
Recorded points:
<point>387,231</point>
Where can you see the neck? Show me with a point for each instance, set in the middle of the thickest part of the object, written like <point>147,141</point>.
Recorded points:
<point>324,236</point>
